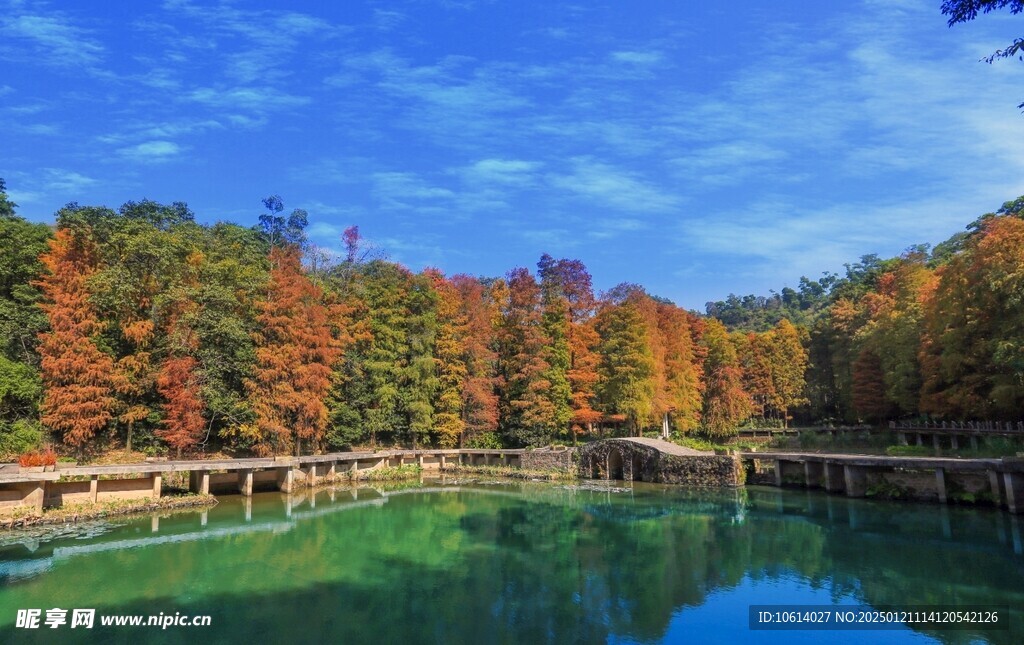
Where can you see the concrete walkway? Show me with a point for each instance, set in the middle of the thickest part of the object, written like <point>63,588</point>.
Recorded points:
<point>666,447</point>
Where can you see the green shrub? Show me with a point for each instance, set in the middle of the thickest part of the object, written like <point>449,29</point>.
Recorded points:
<point>390,473</point>
<point>910,451</point>
<point>763,422</point>
<point>24,435</point>
<point>485,441</point>
<point>695,443</point>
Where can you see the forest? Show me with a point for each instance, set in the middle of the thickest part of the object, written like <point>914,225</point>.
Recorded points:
<point>144,329</point>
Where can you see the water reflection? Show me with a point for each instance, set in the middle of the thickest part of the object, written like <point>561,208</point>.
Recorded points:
<point>471,562</point>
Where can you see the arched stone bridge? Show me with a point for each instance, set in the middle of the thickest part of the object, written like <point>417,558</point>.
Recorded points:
<point>655,460</point>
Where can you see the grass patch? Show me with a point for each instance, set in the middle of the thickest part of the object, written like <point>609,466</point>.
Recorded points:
<point>511,472</point>
<point>696,443</point>
<point>390,473</point>
<point>910,451</point>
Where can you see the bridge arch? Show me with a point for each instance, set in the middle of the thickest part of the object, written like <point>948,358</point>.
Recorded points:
<point>631,459</point>
<point>615,465</point>
<point>619,459</point>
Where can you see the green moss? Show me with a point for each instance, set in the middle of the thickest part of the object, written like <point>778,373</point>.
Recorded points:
<point>888,490</point>
<point>910,451</point>
<point>511,472</point>
<point>387,474</point>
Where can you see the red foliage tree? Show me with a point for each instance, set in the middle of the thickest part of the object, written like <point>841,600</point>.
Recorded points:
<point>528,415</point>
<point>479,388</point>
<point>294,358</point>
<point>183,421</point>
<point>726,403</point>
<point>869,387</point>
<point>77,375</point>
<point>178,382</point>
<point>683,383</point>
<point>572,282</point>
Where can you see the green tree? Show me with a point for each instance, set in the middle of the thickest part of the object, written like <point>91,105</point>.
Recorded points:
<point>386,378</point>
<point>627,366</point>
<point>21,320</point>
<point>231,274</point>
<point>418,375</point>
<point>962,11</point>
<point>20,394</point>
<point>450,357</point>
<point>555,323</point>
<point>788,360</point>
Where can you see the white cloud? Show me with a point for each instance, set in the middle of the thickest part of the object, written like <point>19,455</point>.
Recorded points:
<point>52,39</point>
<point>551,240</point>
<point>502,172</point>
<point>58,179</point>
<point>151,151</point>
<point>613,187</point>
<point>612,227</point>
<point>637,58</point>
<point>253,99</point>
<point>408,191</point>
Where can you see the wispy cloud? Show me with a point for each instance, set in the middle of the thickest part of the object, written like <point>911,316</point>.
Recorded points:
<point>405,190</point>
<point>39,129</point>
<point>608,186</point>
<point>501,172</point>
<point>36,187</point>
<point>252,99</point>
<point>151,152</point>
<point>638,57</point>
<point>726,162</point>
<point>50,37</point>
<point>552,240</point>
<point>386,20</point>
<point>613,227</point>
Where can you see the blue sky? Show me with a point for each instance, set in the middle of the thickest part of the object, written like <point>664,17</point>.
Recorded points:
<point>695,148</point>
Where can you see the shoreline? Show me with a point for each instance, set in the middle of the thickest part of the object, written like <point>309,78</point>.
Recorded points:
<point>87,512</point>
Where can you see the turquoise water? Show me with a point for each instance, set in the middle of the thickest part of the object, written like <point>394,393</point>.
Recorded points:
<point>518,563</point>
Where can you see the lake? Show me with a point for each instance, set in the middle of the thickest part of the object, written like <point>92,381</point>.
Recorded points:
<point>479,562</point>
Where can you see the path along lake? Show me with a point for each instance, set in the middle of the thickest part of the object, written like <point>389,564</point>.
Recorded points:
<point>499,562</point>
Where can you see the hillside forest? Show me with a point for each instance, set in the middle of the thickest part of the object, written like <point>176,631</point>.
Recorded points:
<point>145,329</point>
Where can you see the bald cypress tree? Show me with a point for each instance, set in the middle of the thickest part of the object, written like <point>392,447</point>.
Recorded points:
<point>77,374</point>
<point>294,358</point>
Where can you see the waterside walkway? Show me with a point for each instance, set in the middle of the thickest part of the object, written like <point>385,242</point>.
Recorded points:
<point>77,484</point>
<point>929,478</point>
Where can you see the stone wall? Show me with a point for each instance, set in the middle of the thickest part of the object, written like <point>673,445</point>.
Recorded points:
<point>632,461</point>
<point>707,471</point>
<point>549,459</point>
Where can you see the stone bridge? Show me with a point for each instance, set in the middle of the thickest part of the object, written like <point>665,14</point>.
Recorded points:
<point>655,460</point>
